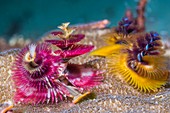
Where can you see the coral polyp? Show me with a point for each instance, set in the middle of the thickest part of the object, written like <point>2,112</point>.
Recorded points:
<point>136,57</point>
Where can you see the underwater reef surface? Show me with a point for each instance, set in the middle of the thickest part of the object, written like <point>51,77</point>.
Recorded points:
<point>17,41</point>
<point>114,95</point>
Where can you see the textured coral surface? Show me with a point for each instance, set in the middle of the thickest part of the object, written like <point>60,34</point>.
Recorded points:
<point>114,95</point>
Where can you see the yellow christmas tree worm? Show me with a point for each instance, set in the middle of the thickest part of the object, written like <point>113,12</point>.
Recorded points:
<point>136,57</point>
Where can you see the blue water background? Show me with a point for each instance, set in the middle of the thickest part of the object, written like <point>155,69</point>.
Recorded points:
<point>32,18</point>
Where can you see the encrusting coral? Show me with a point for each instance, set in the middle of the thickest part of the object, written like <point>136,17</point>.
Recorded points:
<point>136,57</point>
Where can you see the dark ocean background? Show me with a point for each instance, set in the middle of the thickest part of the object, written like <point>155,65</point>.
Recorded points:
<point>33,18</point>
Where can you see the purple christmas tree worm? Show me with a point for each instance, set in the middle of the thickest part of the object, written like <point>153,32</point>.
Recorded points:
<point>44,75</point>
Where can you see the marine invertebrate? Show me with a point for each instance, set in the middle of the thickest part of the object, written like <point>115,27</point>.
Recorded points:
<point>139,21</point>
<point>137,57</point>
<point>42,74</point>
<point>67,42</point>
<point>34,75</point>
<point>84,77</point>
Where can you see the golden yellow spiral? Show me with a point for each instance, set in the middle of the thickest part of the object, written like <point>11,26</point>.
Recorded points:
<point>154,68</point>
<point>150,81</point>
<point>121,54</point>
